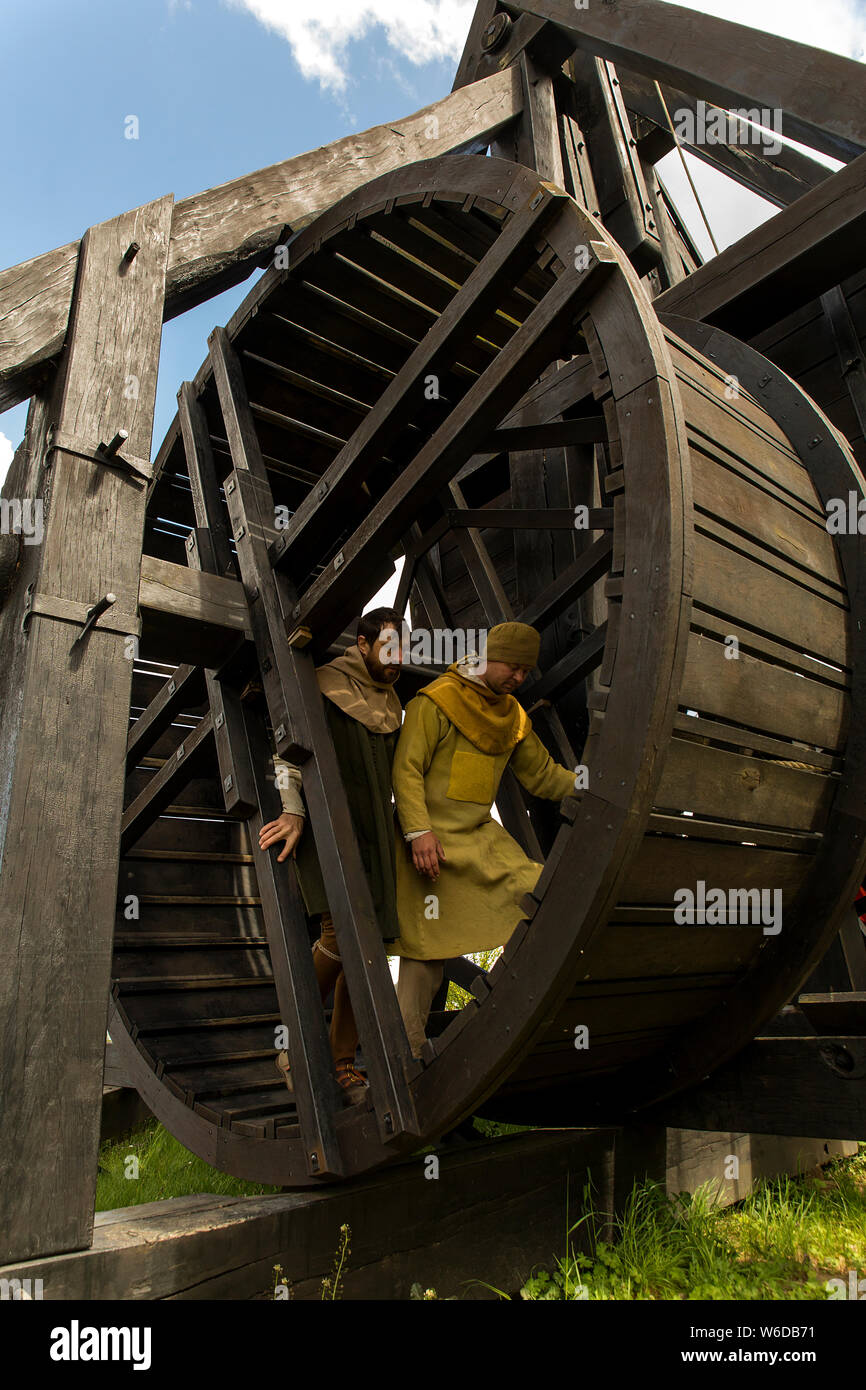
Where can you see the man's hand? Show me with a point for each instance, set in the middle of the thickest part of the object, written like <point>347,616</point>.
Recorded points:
<point>426,853</point>
<point>288,828</point>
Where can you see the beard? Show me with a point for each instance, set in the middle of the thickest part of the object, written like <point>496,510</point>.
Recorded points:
<point>382,673</point>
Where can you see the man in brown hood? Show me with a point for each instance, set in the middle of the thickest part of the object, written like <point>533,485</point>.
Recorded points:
<point>364,714</point>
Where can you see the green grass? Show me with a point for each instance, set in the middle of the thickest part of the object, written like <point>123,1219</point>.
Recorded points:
<point>784,1241</point>
<point>164,1169</point>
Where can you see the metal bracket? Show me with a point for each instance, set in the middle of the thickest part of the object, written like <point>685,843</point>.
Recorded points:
<point>106,454</point>
<point>70,611</point>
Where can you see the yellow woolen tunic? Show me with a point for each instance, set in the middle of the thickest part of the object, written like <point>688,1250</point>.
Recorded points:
<point>443,783</point>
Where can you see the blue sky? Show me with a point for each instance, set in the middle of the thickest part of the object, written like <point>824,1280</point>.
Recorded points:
<point>223,87</point>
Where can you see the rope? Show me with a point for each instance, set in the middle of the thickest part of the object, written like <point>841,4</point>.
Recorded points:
<point>697,196</point>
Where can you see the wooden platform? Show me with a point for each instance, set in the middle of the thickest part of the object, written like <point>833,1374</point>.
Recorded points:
<point>497,1209</point>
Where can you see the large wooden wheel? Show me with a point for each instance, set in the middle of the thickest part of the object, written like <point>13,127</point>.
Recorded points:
<point>554,387</point>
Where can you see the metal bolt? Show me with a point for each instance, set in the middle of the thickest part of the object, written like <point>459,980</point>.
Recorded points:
<point>110,449</point>
<point>131,252</point>
<point>228,783</point>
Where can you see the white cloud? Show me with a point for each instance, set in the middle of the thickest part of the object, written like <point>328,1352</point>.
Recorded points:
<point>319,31</point>
<point>6,453</point>
<point>836,25</point>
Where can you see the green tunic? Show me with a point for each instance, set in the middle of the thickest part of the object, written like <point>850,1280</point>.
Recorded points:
<point>442,782</point>
<point>365,762</point>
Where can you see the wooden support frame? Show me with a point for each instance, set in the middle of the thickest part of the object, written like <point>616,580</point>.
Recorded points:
<point>61,891</point>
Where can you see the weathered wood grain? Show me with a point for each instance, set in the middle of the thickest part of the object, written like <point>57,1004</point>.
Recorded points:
<point>35,298</point>
<point>59,872</point>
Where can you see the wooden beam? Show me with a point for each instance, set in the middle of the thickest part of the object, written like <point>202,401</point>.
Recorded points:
<point>184,689</point>
<point>822,96</point>
<point>790,260</point>
<point>301,733</point>
<point>219,236</point>
<point>848,349</point>
<point>779,1086</point>
<point>778,177</point>
<point>189,616</point>
<point>163,787</point>
<point>298,998</point>
<point>35,299</point>
<point>586,570</point>
<point>63,742</point>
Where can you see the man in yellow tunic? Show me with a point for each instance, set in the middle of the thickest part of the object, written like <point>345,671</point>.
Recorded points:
<point>461,880</point>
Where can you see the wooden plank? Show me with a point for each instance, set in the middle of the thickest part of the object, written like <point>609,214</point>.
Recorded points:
<point>800,253</point>
<point>762,696</point>
<point>59,871</point>
<point>779,1086</point>
<point>821,94</point>
<point>757,791</point>
<point>218,236</point>
<point>835,1013</point>
<point>499,1203</point>
<point>195,617</point>
<point>780,177</point>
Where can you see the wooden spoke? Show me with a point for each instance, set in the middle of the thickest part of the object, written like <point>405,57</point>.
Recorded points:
<point>458,324</point>
<point>301,733</point>
<point>330,597</point>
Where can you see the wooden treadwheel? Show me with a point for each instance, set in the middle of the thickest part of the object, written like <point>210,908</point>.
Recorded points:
<point>556,388</point>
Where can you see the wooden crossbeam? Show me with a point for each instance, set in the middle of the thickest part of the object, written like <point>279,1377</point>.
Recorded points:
<point>219,236</point>
<point>189,616</point>
<point>302,734</point>
<point>509,257</point>
<point>575,666</point>
<point>325,605</point>
<point>821,95</point>
<point>185,688</point>
<point>568,586</point>
<point>530,519</point>
<point>555,435</point>
<point>778,177</point>
<point>803,251</point>
<point>163,787</point>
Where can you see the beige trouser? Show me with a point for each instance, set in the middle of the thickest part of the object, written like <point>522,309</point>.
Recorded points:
<point>417,983</point>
